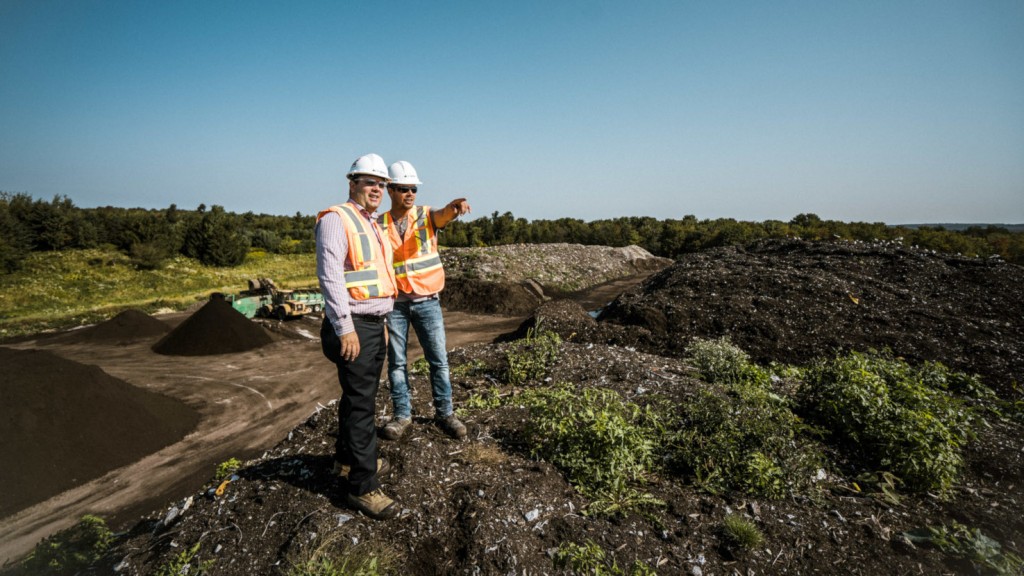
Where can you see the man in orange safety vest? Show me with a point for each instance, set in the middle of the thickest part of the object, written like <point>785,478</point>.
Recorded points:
<point>412,230</point>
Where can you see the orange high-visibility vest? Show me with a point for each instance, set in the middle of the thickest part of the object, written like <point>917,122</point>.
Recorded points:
<point>417,264</point>
<point>371,275</point>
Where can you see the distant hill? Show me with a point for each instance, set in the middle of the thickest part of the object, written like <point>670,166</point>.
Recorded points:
<point>959,227</point>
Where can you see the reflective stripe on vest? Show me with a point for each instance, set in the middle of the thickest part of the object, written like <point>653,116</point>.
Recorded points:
<point>365,280</point>
<point>417,264</point>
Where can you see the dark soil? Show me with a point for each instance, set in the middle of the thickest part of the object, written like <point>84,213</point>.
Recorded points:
<point>216,328</point>
<point>485,506</point>
<point>127,327</point>
<point>485,297</point>
<point>66,423</point>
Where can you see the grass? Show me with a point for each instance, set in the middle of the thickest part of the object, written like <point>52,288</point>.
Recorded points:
<point>76,287</point>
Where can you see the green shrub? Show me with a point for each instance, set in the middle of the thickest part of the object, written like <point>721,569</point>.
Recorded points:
<point>720,361</point>
<point>604,444</point>
<point>895,417</point>
<point>745,438</point>
<point>530,359</point>
<point>70,550</point>
<point>739,534</point>
<point>960,541</point>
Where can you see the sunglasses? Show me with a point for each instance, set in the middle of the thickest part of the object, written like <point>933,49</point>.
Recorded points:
<point>403,188</point>
<point>368,182</point>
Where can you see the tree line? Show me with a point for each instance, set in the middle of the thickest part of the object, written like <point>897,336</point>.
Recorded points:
<point>219,238</point>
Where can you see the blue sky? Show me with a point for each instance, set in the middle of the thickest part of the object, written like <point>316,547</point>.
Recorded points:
<point>895,111</point>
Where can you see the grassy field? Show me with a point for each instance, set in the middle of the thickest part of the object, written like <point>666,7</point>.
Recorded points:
<point>76,287</point>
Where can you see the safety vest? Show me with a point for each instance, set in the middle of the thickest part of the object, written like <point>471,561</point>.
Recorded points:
<point>371,275</point>
<point>416,261</point>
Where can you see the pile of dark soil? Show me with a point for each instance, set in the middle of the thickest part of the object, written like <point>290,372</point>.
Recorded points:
<point>485,297</point>
<point>64,423</point>
<point>216,328</point>
<point>125,328</point>
<point>793,301</point>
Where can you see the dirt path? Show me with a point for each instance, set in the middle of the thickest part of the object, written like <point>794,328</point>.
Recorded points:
<point>247,402</point>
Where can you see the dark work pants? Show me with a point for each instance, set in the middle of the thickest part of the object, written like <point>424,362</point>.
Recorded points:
<point>356,445</point>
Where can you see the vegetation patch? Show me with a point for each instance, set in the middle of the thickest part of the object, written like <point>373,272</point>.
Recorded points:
<point>591,559</point>
<point>530,358</point>
<point>740,534</point>
<point>604,444</point>
<point>737,433</point>
<point>893,416</point>
<point>969,544</point>
<point>331,554</point>
<point>71,550</point>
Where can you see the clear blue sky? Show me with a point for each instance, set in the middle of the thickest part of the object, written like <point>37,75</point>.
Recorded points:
<point>892,110</point>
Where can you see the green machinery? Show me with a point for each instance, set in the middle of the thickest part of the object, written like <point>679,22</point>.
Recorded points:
<point>265,300</point>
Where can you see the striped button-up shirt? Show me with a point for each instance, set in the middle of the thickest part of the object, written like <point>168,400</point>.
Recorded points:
<point>331,262</point>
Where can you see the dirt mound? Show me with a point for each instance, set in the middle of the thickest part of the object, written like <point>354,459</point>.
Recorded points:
<point>216,328</point>
<point>64,423</point>
<point>126,327</point>
<point>483,297</point>
<point>792,301</point>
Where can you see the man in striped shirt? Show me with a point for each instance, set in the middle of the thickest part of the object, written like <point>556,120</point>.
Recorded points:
<point>353,263</point>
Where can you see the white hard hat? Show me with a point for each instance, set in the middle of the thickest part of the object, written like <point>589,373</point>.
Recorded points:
<point>402,172</point>
<point>371,164</point>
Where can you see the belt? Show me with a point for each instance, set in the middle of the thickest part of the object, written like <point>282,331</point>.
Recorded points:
<point>369,318</point>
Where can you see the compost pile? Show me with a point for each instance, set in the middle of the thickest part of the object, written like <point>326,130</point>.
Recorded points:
<point>65,423</point>
<point>792,301</point>
<point>125,328</point>
<point>216,328</point>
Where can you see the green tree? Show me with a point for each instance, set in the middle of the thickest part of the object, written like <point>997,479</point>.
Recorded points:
<point>216,239</point>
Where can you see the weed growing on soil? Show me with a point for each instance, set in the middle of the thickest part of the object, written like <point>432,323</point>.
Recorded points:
<point>744,439</point>
<point>530,358</point>
<point>959,541</point>
<point>896,417</point>
<point>182,564</point>
<point>420,367</point>
<point>604,444</point>
<point>591,559</point>
<point>486,400</point>
<point>720,361</point>
<point>227,468</point>
<point>739,534</point>
<point>738,434</point>
<point>70,550</point>
<point>330,556</point>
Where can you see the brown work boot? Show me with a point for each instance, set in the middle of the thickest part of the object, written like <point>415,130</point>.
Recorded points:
<point>374,504</point>
<point>451,426</point>
<point>395,429</point>
<point>342,470</point>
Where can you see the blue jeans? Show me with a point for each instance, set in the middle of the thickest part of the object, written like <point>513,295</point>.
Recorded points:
<point>426,320</point>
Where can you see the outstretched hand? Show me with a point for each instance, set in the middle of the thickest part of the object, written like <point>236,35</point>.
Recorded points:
<point>460,206</point>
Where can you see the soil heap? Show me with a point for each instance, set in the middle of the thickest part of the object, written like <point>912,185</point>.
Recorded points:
<point>64,423</point>
<point>125,328</point>
<point>792,301</point>
<point>216,328</point>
